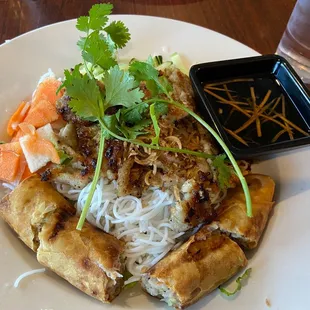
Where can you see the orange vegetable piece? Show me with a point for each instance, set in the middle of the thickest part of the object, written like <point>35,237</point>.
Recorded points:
<point>24,128</point>
<point>46,91</point>
<point>12,146</point>
<point>22,167</point>
<point>18,116</point>
<point>42,113</point>
<point>43,147</point>
<point>43,106</point>
<point>27,129</point>
<point>9,163</point>
<point>17,135</point>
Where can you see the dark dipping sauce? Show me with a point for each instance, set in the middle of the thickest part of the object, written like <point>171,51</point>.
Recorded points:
<point>256,76</point>
<point>232,119</point>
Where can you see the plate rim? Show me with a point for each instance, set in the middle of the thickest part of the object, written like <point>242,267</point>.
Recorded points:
<point>70,21</point>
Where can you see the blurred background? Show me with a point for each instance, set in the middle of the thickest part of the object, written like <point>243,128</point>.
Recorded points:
<point>256,23</point>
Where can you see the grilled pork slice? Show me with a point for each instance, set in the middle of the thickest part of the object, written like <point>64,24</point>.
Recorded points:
<point>89,259</point>
<point>182,92</point>
<point>199,266</point>
<point>232,218</point>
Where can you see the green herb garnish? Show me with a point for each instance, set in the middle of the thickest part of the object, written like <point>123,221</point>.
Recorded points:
<point>121,89</point>
<point>224,171</point>
<point>158,60</point>
<point>64,158</point>
<point>131,113</point>
<point>126,276</point>
<point>130,285</point>
<point>238,282</point>
<point>87,101</point>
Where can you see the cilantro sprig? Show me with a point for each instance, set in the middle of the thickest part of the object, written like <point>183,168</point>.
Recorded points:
<point>101,41</point>
<point>98,48</point>
<point>118,91</point>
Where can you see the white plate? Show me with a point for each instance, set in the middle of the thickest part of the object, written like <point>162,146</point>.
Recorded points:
<point>281,269</point>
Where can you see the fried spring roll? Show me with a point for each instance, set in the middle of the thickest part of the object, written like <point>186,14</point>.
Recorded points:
<point>46,222</point>
<point>200,265</point>
<point>232,218</point>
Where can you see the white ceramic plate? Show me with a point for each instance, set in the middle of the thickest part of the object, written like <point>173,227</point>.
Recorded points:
<point>281,269</point>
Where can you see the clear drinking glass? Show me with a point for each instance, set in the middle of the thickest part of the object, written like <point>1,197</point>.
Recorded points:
<point>295,42</point>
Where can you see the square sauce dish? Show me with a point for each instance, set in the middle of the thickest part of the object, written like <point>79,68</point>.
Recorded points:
<point>258,105</point>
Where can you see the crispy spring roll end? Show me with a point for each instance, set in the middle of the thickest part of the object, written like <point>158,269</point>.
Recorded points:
<point>46,222</point>
<point>204,262</point>
<point>233,220</point>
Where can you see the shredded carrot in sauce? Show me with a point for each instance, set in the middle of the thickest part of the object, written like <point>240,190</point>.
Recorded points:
<point>258,113</point>
<point>236,136</point>
<point>231,81</point>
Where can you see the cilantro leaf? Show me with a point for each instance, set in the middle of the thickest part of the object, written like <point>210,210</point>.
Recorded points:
<point>160,109</point>
<point>96,50</point>
<point>119,88</point>
<point>118,32</point>
<point>224,171</point>
<point>98,15</point>
<point>159,86</point>
<point>165,85</point>
<point>81,43</point>
<point>150,60</point>
<point>111,121</point>
<point>133,120</point>
<point>84,93</point>
<point>145,71</point>
<point>152,87</point>
<point>136,130</point>
<point>97,19</point>
<point>83,23</point>
<point>111,44</point>
<point>135,113</point>
<point>238,282</point>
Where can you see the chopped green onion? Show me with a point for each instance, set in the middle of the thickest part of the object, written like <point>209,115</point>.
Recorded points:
<point>238,282</point>
<point>155,140</point>
<point>158,60</point>
<point>64,158</point>
<point>130,285</point>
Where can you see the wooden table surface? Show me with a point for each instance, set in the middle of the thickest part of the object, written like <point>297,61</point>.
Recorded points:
<point>256,23</point>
